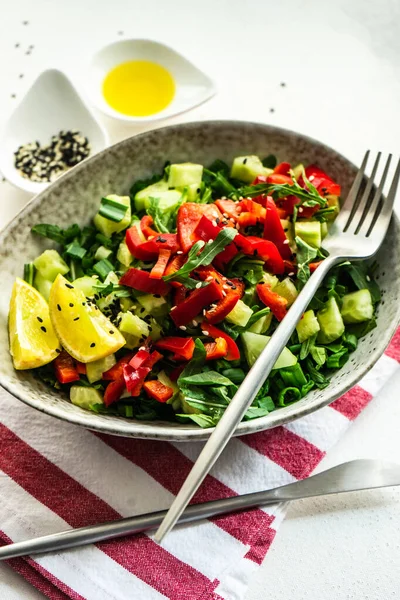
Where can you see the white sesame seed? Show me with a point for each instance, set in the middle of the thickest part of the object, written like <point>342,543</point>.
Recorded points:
<point>368,278</point>
<point>225,215</point>
<point>198,285</point>
<point>194,323</point>
<point>210,278</point>
<point>249,198</point>
<point>226,287</point>
<point>285,241</point>
<point>210,240</point>
<point>179,252</point>
<point>291,273</point>
<point>223,293</point>
<point>240,197</point>
<point>142,348</point>
<point>205,332</point>
<point>151,237</point>
<point>173,307</point>
<point>311,178</point>
<point>204,311</point>
<point>223,197</point>
<point>301,209</point>
<point>182,327</point>
<point>215,223</point>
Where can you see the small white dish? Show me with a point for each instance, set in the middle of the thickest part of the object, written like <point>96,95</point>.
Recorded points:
<point>193,87</point>
<point>50,105</point>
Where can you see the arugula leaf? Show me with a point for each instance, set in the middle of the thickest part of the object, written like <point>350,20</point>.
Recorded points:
<point>208,378</point>
<point>282,190</point>
<point>305,254</point>
<point>363,281</point>
<point>52,232</point>
<point>306,347</point>
<point>203,421</point>
<point>220,184</point>
<point>318,354</point>
<point>219,166</point>
<point>208,252</point>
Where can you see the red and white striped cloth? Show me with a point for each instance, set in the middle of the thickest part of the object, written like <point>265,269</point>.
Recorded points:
<point>55,475</point>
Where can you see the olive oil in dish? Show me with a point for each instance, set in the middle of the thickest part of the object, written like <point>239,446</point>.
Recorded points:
<point>139,88</point>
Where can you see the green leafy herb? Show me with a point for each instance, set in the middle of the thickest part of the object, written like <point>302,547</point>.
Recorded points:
<point>220,184</point>
<point>362,280</point>
<point>318,354</point>
<point>52,232</point>
<point>282,190</point>
<point>203,421</point>
<point>305,254</point>
<point>338,359</point>
<point>269,161</point>
<point>208,378</point>
<point>196,258</point>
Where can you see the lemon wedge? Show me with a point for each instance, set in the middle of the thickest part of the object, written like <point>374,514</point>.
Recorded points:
<point>33,342</point>
<point>81,327</point>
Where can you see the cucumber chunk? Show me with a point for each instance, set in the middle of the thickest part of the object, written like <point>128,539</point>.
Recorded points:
<point>309,232</point>
<point>133,325</point>
<point>107,227</point>
<point>307,326</point>
<point>123,254</point>
<point>333,201</point>
<point>184,174</point>
<point>298,170</point>
<point>42,285</point>
<point>95,369</point>
<point>287,289</point>
<point>254,344</point>
<point>191,191</point>
<point>246,168</point>
<point>262,325</point>
<point>330,322</point>
<point>102,252</point>
<point>141,199</point>
<point>86,284</point>
<point>270,280</point>
<point>85,397</point>
<point>50,264</point>
<point>154,306</point>
<point>357,307</point>
<point>240,314</point>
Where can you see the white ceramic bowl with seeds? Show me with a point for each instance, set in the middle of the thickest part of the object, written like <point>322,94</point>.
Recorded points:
<point>51,105</point>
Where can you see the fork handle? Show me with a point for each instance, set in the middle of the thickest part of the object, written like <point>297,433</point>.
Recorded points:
<point>243,398</point>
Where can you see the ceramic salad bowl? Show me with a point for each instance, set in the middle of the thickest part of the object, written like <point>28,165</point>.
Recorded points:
<point>74,199</point>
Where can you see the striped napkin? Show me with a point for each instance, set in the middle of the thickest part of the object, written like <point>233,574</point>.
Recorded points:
<point>55,475</point>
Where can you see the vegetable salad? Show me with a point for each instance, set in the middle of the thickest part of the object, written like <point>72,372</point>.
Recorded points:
<point>158,309</point>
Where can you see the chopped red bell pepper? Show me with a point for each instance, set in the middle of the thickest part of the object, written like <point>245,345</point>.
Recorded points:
<point>134,378</point>
<point>153,359</point>
<point>180,294</point>
<point>206,230</point>
<point>210,330</point>
<point>80,367</point>
<point>159,268</point>
<point>114,391</point>
<point>183,347</point>
<point>221,309</point>
<point>166,241</point>
<point>217,349</point>
<point>229,209</point>
<point>279,179</point>
<point>277,303</point>
<point>282,169</point>
<point>197,300</point>
<point>158,391</point>
<point>145,225</point>
<point>139,359</point>
<point>325,185</point>
<point>263,249</point>
<point>136,246</point>
<point>117,370</point>
<point>251,213</point>
<point>290,267</point>
<point>314,265</point>
<point>260,179</point>
<point>65,368</point>
<point>141,281</point>
<point>189,215</point>
<point>274,232</point>
<point>173,266</point>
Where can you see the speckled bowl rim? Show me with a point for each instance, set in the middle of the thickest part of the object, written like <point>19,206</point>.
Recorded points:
<point>168,432</point>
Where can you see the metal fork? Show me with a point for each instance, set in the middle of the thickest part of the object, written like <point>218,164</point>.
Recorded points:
<point>356,234</point>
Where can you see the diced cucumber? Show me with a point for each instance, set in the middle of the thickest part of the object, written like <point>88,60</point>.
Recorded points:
<point>287,289</point>
<point>309,232</point>
<point>107,227</point>
<point>270,280</point>
<point>254,344</point>
<point>262,325</point>
<point>86,284</point>
<point>288,229</point>
<point>246,168</point>
<point>151,191</point>
<point>154,306</point>
<point>298,170</point>
<point>42,285</point>
<point>132,341</point>
<point>240,314</point>
<point>163,377</point>
<point>155,330</point>
<point>307,326</point>
<point>192,191</point>
<point>123,254</point>
<point>184,174</point>
<point>324,230</point>
<point>333,202</point>
<point>85,397</point>
<point>95,369</point>
<point>357,307</point>
<point>126,304</point>
<point>167,199</point>
<point>330,321</point>
<point>50,264</point>
<point>102,252</point>
<point>133,325</point>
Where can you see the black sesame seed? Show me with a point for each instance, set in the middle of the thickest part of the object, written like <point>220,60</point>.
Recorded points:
<point>83,303</point>
<point>161,240</point>
<point>111,332</point>
<point>58,350</point>
<point>69,286</point>
<point>92,345</point>
<point>40,319</point>
<point>59,307</point>
<point>71,304</point>
<point>76,319</point>
<point>271,110</point>
<point>43,328</point>
<point>245,161</point>
<point>157,295</point>
<point>283,84</point>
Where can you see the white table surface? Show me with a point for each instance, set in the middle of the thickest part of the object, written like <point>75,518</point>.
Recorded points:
<point>340,61</point>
